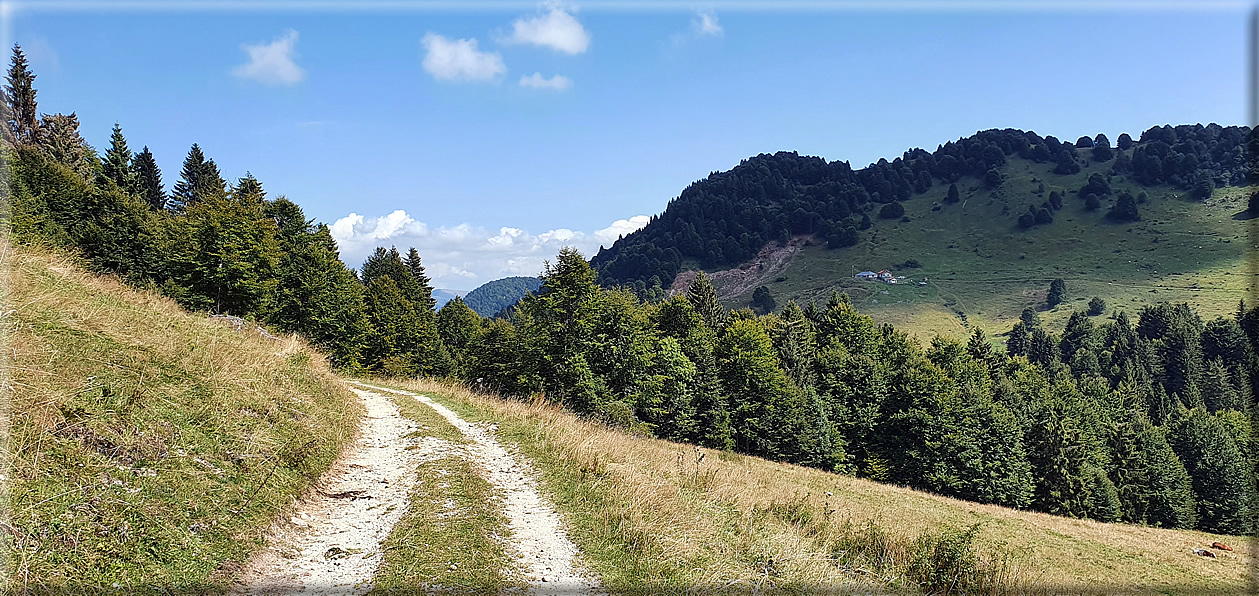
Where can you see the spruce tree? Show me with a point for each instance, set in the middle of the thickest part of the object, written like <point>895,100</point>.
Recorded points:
<point>61,142</point>
<point>23,121</point>
<point>116,166</point>
<point>1220,475</point>
<point>1057,291</point>
<point>198,180</point>
<point>316,295</point>
<point>424,299</point>
<point>248,190</point>
<point>149,179</point>
<point>704,298</point>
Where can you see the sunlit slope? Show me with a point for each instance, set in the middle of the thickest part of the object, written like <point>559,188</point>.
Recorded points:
<point>149,447</point>
<point>658,517</point>
<point>982,269</point>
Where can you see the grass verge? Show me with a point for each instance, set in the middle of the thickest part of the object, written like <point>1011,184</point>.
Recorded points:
<point>149,448</point>
<point>454,535</point>
<point>657,517</point>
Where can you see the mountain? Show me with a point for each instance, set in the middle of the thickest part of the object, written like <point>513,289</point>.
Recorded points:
<point>492,297</point>
<point>989,220</point>
<point>444,296</point>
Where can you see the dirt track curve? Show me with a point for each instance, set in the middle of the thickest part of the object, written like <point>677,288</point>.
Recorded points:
<point>332,545</point>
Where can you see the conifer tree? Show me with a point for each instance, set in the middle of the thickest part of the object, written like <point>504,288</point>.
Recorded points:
<point>1166,496</point>
<point>23,121</point>
<point>316,295</point>
<point>61,142</point>
<point>704,298</point>
<point>559,324</point>
<point>198,180</point>
<point>1219,473</point>
<point>393,343</point>
<point>248,190</point>
<point>149,179</point>
<point>1060,464</point>
<point>116,166</point>
<point>230,257</point>
<point>425,298</point>
<point>1057,291</point>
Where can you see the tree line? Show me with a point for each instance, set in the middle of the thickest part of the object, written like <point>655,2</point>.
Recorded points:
<point>1149,422</point>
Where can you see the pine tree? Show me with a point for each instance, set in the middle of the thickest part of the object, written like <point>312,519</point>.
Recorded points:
<point>61,142</point>
<point>23,121</point>
<point>1221,478</point>
<point>704,298</point>
<point>149,179</point>
<point>248,190</point>
<point>953,195</point>
<point>116,166</point>
<point>1057,291</point>
<point>425,298</point>
<point>1060,464</point>
<point>230,258</point>
<point>316,295</point>
<point>198,180</point>
<point>1166,496</point>
<point>392,345</point>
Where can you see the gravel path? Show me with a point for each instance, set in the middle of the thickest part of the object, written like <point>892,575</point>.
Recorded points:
<point>542,547</point>
<point>332,544</point>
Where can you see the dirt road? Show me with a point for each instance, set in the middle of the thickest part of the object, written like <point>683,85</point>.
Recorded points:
<point>332,544</point>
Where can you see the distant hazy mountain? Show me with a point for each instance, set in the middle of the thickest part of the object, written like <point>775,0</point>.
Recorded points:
<point>491,298</point>
<point>444,296</point>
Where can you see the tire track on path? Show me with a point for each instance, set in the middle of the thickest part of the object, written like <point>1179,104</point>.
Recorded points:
<point>546,555</point>
<point>331,545</point>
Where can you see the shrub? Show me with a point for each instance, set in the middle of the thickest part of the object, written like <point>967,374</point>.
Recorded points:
<point>1097,306</point>
<point>1057,291</point>
<point>945,562</point>
<point>892,210</point>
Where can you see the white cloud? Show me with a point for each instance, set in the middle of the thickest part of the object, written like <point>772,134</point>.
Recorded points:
<point>557,29</point>
<point>459,59</point>
<point>537,81</point>
<point>463,256</point>
<point>705,25</point>
<point>272,63</point>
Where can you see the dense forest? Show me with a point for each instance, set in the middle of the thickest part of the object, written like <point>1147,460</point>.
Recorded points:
<point>493,297</point>
<point>726,218</point>
<point>1146,418</point>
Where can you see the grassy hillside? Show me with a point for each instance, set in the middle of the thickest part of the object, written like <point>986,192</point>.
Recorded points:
<point>148,448</point>
<point>982,269</point>
<point>659,517</point>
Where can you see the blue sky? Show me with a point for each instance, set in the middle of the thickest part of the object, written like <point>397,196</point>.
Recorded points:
<point>488,135</point>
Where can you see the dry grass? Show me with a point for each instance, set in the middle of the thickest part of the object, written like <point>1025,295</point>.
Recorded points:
<point>149,448</point>
<point>657,516</point>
